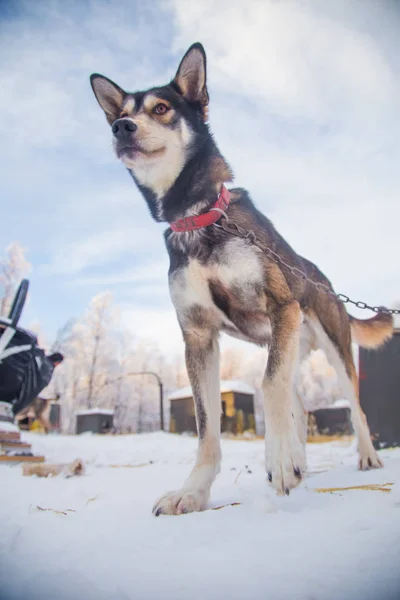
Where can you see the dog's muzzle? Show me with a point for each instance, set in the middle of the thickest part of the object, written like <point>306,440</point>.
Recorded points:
<point>123,130</point>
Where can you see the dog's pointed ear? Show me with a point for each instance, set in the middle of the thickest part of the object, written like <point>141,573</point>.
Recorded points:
<point>109,95</point>
<point>191,77</point>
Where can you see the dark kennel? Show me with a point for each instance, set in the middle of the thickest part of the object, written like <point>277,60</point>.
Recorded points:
<point>100,421</point>
<point>379,377</point>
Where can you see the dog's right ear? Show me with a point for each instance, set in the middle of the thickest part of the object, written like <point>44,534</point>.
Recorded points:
<point>191,77</point>
<point>109,95</point>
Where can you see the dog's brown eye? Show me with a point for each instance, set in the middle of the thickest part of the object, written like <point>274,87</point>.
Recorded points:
<point>161,109</point>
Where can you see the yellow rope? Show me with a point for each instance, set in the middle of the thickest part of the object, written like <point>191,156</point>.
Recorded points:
<point>383,487</point>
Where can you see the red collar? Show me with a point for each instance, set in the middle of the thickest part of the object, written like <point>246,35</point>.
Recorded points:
<point>205,219</point>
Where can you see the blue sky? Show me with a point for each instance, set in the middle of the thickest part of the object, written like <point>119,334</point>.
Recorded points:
<point>304,105</point>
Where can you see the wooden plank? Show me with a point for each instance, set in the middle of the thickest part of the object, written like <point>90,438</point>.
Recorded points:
<point>6,436</point>
<point>46,469</point>
<point>12,458</point>
<point>383,487</point>
<point>11,445</point>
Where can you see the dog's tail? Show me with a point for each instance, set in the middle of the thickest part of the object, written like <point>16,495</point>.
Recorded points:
<point>372,333</point>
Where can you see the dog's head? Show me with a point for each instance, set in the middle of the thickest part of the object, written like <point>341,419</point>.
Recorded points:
<point>155,132</point>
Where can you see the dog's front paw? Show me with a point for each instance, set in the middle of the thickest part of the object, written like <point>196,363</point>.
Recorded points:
<point>181,502</point>
<point>369,459</point>
<point>285,461</point>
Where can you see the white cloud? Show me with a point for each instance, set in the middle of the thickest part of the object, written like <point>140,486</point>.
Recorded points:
<point>292,55</point>
<point>97,227</point>
<point>151,273</point>
<point>97,249</point>
<point>158,325</point>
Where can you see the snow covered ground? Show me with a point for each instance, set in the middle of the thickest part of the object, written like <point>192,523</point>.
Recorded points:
<point>309,546</point>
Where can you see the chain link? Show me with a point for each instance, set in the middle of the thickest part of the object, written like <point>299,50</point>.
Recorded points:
<point>251,238</point>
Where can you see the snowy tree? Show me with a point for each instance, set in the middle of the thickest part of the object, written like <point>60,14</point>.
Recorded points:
<point>254,366</point>
<point>146,359</point>
<point>317,383</point>
<point>97,331</point>
<point>63,337</point>
<point>124,401</point>
<point>88,346</point>
<point>106,367</point>
<point>68,375</point>
<point>70,343</point>
<point>231,363</point>
<point>36,328</point>
<point>13,268</point>
<point>180,378</point>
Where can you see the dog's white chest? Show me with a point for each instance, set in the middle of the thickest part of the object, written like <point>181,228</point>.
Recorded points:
<point>236,267</point>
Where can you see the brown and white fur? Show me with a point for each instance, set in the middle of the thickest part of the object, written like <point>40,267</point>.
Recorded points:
<point>219,283</point>
<point>39,410</point>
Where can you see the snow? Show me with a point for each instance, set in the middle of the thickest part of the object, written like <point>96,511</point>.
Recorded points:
<point>95,411</point>
<point>236,386</point>
<point>7,426</point>
<point>340,404</point>
<point>226,386</point>
<point>308,546</point>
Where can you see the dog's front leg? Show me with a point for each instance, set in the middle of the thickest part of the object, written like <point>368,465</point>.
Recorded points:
<point>45,423</point>
<point>202,362</point>
<point>284,452</point>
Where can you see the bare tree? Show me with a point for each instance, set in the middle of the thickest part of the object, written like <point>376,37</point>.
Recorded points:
<point>89,353</point>
<point>232,360</point>
<point>36,328</point>
<point>99,329</point>
<point>12,269</point>
<point>317,383</point>
<point>123,400</point>
<point>180,378</point>
<point>70,345</point>
<point>63,337</point>
<point>99,358</point>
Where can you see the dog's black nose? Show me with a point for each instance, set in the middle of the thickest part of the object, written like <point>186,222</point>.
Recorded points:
<point>122,127</point>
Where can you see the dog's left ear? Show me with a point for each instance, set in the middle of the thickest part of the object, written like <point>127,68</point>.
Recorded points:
<point>192,75</point>
<point>109,95</point>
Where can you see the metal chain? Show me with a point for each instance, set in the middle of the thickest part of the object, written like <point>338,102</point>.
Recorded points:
<point>251,238</point>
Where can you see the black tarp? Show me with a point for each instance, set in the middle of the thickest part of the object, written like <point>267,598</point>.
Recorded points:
<point>25,374</point>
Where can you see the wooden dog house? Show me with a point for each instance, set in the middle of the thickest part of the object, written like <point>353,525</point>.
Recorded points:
<point>96,420</point>
<point>237,399</point>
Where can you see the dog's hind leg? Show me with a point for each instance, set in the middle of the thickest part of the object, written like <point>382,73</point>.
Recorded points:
<point>340,356</point>
<point>202,362</point>
<point>368,458</point>
<point>44,422</point>
<point>300,416</point>
<point>300,413</point>
<point>284,452</point>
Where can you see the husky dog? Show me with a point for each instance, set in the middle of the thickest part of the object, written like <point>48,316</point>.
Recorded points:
<point>219,282</point>
<point>39,409</point>
<point>40,406</point>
